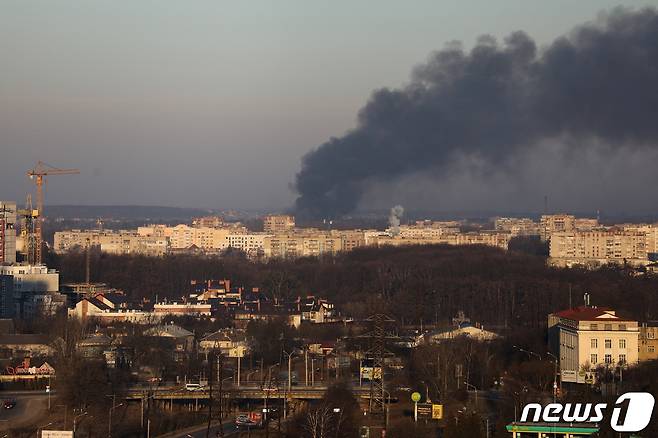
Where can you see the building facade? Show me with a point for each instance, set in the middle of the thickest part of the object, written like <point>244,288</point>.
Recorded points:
<point>278,223</point>
<point>552,223</point>
<point>648,341</point>
<point>598,247</point>
<point>7,307</point>
<point>111,242</point>
<point>7,232</point>
<point>586,338</point>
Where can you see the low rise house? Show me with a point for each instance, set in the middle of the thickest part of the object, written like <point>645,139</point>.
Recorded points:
<point>94,346</point>
<point>182,340</point>
<point>465,329</point>
<point>24,345</point>
<point>175,308</point>
<point>106,311</point>
<point>231,343</point>
<point>242,317</point>
<point>317,310</point>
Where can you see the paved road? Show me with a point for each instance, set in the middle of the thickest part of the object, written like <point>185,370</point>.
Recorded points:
<point>230,429</point>
<point>30,407</point>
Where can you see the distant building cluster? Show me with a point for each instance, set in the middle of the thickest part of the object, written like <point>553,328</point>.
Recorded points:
<point>585,242</point>
<point>206,299</point>
<point>280,238</point>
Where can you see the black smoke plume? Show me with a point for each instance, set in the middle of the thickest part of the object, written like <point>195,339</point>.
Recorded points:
<point>598,84</point>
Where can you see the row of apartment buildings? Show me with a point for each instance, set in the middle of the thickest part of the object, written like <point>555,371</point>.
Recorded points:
<point>159,240</point>
<point>584,241</point>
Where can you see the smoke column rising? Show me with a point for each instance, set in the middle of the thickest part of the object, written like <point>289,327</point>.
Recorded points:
<point>394,219</point>
<point>596,85</point>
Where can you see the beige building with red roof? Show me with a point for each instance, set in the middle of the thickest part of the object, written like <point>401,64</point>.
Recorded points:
<point>587,337</point>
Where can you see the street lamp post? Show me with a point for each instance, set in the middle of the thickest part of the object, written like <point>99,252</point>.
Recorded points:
<point>109,423</point>
<point>529,353</point>
<point>75,420</point>
<point>554,376</point>
<point>476,393</point>
<point>39,430</point>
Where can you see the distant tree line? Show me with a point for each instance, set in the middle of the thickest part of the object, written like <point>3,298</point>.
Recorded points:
<point>417,285</point>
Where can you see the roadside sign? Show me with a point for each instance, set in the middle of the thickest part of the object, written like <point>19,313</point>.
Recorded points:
<point>424,411</point>
<point>437,412</point>
<point>56,434</point>
<point>415,397</point>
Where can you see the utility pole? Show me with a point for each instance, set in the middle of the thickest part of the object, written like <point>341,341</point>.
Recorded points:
<point>306,364</point>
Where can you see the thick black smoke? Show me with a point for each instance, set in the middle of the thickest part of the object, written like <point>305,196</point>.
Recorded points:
<point>598,84</point>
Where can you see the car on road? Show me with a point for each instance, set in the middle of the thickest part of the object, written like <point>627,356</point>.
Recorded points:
<point>9,404</point>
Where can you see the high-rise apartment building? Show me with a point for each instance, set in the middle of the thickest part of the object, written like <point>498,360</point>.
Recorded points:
<point>7,232</point>
<point>552,223</point>
<point>278,223</point>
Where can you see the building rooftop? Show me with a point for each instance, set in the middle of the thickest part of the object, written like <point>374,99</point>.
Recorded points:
<point>587,313</point>
<point>169,330</point>
<point>22,339</point>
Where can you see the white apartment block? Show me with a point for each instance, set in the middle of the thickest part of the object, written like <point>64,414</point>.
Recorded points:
<point>112,242</point>
<point>651,232</point>
<point>425,232</point>
<point>293,245</point>
<point>593,248</point>
<point>32,278</point>
<point>496,239</point>
<point>586,338</point>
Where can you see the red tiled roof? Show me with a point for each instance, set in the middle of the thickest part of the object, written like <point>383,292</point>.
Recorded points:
<point>584,313</point>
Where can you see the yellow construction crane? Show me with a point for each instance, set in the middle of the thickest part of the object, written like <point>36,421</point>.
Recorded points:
<point>37,175</point>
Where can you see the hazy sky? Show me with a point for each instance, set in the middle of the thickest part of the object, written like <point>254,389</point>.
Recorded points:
<point>212,103</point>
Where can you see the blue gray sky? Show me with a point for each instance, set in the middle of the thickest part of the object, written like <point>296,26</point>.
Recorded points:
<point>213,103</point>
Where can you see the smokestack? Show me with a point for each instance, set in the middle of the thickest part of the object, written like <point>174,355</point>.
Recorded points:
<point>394,219</point>
<point>594,87</point>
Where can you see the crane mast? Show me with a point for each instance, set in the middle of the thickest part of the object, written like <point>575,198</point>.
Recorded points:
<point>38,174</point>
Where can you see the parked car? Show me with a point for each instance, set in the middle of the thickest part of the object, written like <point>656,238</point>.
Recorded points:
<point>9,404</point>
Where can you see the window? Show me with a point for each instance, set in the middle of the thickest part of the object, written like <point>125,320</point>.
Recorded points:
<point>608,358</point>
<point>608,343</point>
<point>622,359</point>
<point>622,327</point>
<point>595,343</point>
<point>594,359</point>
<point>651,349</point>
<point>607,327</point>
<point>622,343</point>
<point>593,326</point>
<point>651,335</point>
